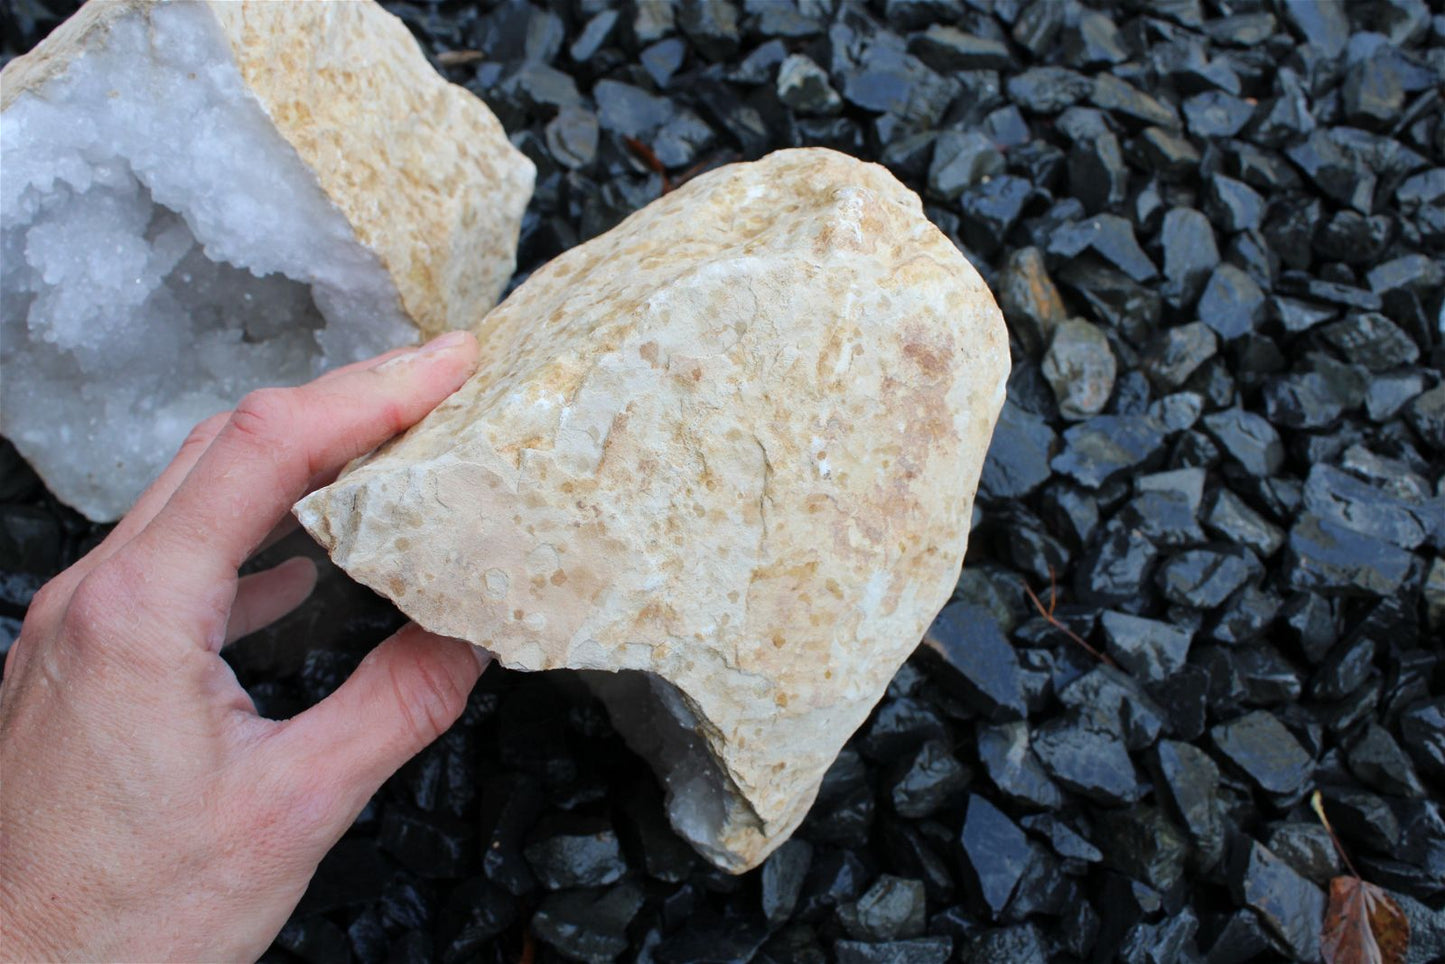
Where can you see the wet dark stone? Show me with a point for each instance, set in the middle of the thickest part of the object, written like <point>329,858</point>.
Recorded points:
<point>1263,750</point>
<point>1426,415</point>
<point>1028,298</point>
<point>1124,100</point>
<point>1204,578</point>
<point>711,25</point>
<point>781,879</point>
<point>1325,556</point>
<point>843,811</point>
<point>784,19</point>
<point>1087,758</point>
<point>1249,439</point>
<point>1184,698</point>
<point>571,851</point>
<point>1291,907</point>
<point>1097,173</point>
<point>1178,353</point>
<point>995,853</point>
<point>834,877</point>
<point>1107,446</point>
<point>1231,518</point>
<point>1004,751</point>
<point>919,856</point>
<point>713,939</point>
<point>892,908</point>
<point>1296,316</point>
<point>1044,889</point>
<point>1048,90</point>
<point>898,727</point>
<point>1166,508</point>
<point>1094,41</point>
<point>588,925</point>
<point>1362,818</point>
<point>1109,236</point>
<point>1150,649</point>
<point>1215,113</point>
<point>1116,568</point>
<point>1232,205</point>
<point>972,657</point>
<point>1232,303</point>
<point>1020,944</point>
<point>572,137</point>
<point>1018,455</point>
<point>1268,678</point>
<point>1242,938</point>
<point>918,950</point>
<point>991,208</point>
<point>1117,702</point>
<point>796,944</point>
<point>1307,848</point>
<point>946,49</point>
<point>1171,939</point>
<point>663,59</point>
<point>1368,509</point>
<point>1189,780</point>
<point>1190,254</point>
<point>1168,153</point>
<point>629,110</point>
<point>1065,841</point>
<point>428,844</point>
<point>30,541</point>
<point>804,87</point>
<point>1422,731</point>
<point>961,159</point>
<point>1071,511</point>
<point>929,780</point>
<point>1388,394</point>
<point>315,940</point>
<point>1144,844</point>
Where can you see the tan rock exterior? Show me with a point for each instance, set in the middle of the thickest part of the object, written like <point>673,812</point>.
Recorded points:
<point>420,168</point>
<point>733,442</point>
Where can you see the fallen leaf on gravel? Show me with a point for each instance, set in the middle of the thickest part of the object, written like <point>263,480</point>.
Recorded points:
<point>1363,925</point>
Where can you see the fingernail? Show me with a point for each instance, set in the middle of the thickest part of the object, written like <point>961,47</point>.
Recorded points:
<point>448,342</point>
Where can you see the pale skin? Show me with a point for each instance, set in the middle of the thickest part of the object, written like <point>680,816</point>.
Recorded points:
<point>146,811</point>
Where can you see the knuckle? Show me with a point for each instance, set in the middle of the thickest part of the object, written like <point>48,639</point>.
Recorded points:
<point>263,415</point>
<point>105,590</point>
<point>205,431</point>
<point>429,698</point>
<point>48,600</point>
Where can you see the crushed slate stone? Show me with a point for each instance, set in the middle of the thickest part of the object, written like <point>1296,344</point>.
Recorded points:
<point>1215,232</point>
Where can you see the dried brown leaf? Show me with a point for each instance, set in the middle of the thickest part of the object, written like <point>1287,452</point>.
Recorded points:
<point>1363,925</point>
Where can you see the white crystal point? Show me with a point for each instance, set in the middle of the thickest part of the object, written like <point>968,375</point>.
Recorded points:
<point>203,198</point>
<point>731,444</point>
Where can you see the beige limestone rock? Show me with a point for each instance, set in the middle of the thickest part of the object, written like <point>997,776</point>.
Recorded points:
<point>731,444</point>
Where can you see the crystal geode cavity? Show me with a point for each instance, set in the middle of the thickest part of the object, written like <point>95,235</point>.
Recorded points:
<point>203,198</point>
<point>725,452</point>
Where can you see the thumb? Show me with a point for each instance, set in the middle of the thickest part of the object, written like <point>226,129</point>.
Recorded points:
<point>404,695</point>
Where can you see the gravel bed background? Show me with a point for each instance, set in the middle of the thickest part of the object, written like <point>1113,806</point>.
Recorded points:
<point>1216,230</point>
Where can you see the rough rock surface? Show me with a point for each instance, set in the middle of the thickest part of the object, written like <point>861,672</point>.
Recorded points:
<point>733,444</point>
<point>202,198</point>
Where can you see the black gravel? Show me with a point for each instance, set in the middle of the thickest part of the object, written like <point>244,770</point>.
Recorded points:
<point>1216,229</point>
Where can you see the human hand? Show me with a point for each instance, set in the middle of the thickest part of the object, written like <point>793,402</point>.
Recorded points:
<point>146,811</point>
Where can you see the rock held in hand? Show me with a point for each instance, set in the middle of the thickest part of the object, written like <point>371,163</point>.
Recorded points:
<point>731,445</point>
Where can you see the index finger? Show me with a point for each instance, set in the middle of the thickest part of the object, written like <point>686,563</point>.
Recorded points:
<point>278,440</point>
